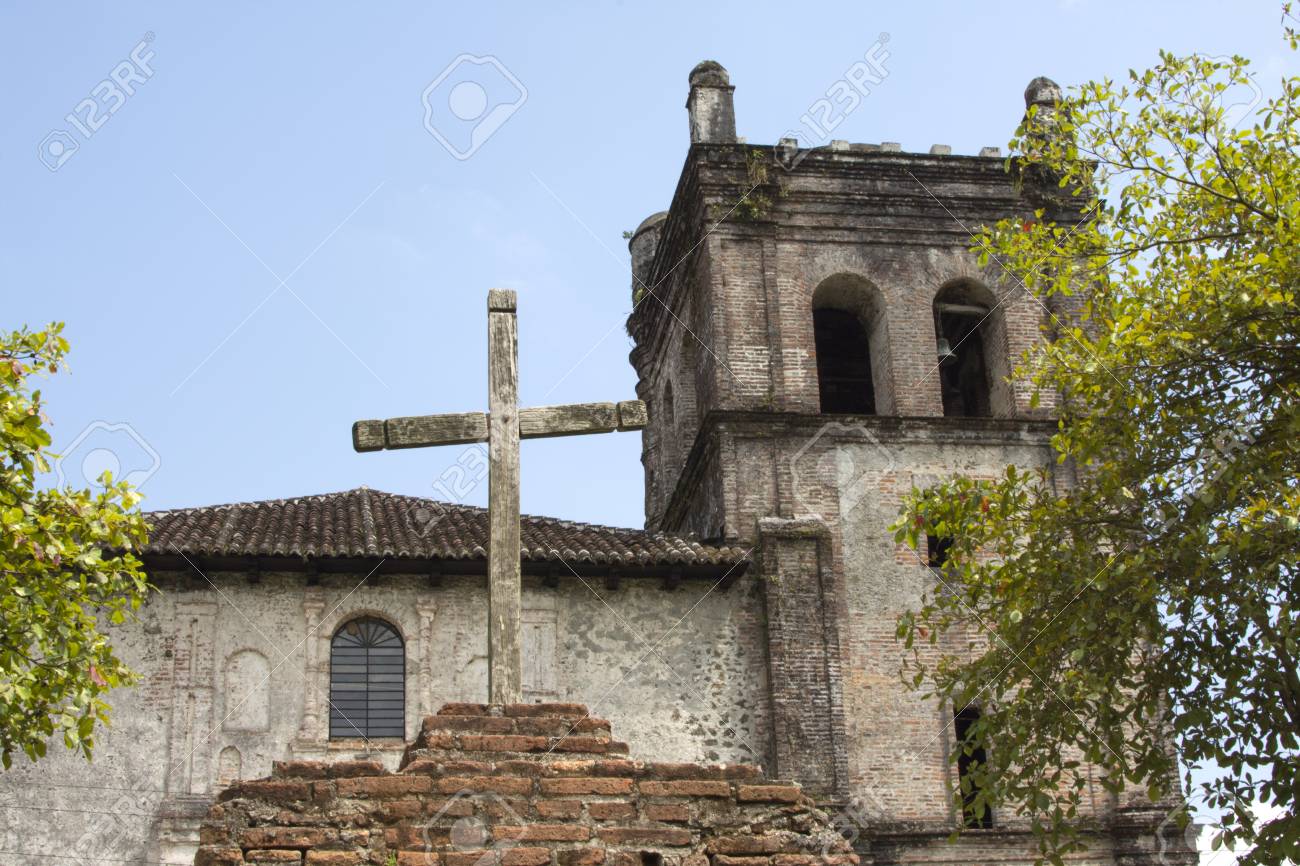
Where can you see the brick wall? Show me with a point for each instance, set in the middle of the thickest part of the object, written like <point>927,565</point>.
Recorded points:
<point>519,785</point>
<point>895,227</point>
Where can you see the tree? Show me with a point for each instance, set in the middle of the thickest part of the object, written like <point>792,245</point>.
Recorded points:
<point>1152,599</point>
<point>66,569</point>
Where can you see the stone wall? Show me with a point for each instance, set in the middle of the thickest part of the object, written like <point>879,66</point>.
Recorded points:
<point>235,677</point>
<point>100,812</point>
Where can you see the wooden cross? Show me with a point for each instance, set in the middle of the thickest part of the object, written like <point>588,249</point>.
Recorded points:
<point>501,427</point>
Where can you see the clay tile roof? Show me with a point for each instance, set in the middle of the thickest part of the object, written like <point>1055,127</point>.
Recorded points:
<point>371,523</point>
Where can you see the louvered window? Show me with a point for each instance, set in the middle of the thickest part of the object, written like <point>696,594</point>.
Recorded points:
<point>367,680</point>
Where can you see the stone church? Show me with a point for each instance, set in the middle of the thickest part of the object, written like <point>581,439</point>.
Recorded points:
<point>805,357</point>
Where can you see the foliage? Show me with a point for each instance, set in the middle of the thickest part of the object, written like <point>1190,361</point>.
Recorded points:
<point>66,568</point>
<point>1143,590</point>
<point>755,203</point>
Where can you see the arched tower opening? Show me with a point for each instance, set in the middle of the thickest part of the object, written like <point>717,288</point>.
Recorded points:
<point>970,340</point>
<point>851,341</point>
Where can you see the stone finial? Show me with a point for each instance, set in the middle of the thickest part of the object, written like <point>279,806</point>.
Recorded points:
<point>940,149</point>
<point>710,105</point>
<point>709,73</point>
<point>1042,99</point>
<point>1041,136</point>
<point>1042,91</point>
<point>642,246</point>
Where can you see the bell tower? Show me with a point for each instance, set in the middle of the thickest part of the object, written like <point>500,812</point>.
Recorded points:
<point>813,338</point>
<point>785,289</point>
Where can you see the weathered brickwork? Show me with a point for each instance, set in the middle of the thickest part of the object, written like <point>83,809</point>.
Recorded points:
<point>519,785</point>
<point>880,233</point>
<point>806,678</point>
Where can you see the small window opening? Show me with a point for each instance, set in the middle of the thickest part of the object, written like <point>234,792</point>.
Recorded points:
<point>937,548</point>
<point>843,363</point>
<point>652,858</point>
<point>965,720</point>
<point>963,374</point>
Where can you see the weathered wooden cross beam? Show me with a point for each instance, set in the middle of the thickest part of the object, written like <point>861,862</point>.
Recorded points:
<point>423,431</point>
<point>502,426</point>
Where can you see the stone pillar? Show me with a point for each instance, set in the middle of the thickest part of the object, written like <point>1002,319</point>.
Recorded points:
<point>1040,186</point>
<point>804,655</point>
<point>1043,100</point>
<point>642,246</point>
<point>194,671</point>
<point>424,702</point>
<point>1043,94</point>
<point>710,105</point>
<point>313,682</point>
<point>190,773</point>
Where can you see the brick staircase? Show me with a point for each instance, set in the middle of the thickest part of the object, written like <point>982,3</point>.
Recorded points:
<point>518,785</point>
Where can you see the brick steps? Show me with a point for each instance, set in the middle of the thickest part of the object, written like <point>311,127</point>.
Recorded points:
<point>491,747</point>
<point>546,726</point>
<point>510,786</point>
<point>479,732</point>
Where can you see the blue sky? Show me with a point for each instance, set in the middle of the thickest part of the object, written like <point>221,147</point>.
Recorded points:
<point>288,142</point>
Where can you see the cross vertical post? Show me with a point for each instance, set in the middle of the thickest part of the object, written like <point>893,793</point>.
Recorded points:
<point>505,604</point>
<point>501,427</point>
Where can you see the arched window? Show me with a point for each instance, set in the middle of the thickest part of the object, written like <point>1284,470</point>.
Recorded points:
<point>971,754</point>
<point>964,323</point>
<point>367,680</point>
<point>849,336</point>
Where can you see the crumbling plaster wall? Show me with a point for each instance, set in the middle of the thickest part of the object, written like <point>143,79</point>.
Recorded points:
<point>682,670</point>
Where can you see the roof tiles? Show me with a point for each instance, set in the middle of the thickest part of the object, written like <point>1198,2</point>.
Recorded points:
<point>371,523</point>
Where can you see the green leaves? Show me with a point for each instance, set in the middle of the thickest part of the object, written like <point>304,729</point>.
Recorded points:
<point>1139,589</point>
<point>67,568</point>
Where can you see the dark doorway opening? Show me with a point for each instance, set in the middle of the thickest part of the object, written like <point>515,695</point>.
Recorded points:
<point>937,548</point>
<point>965,720</point>
<point>963,373</point>
<point>843,363</point>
